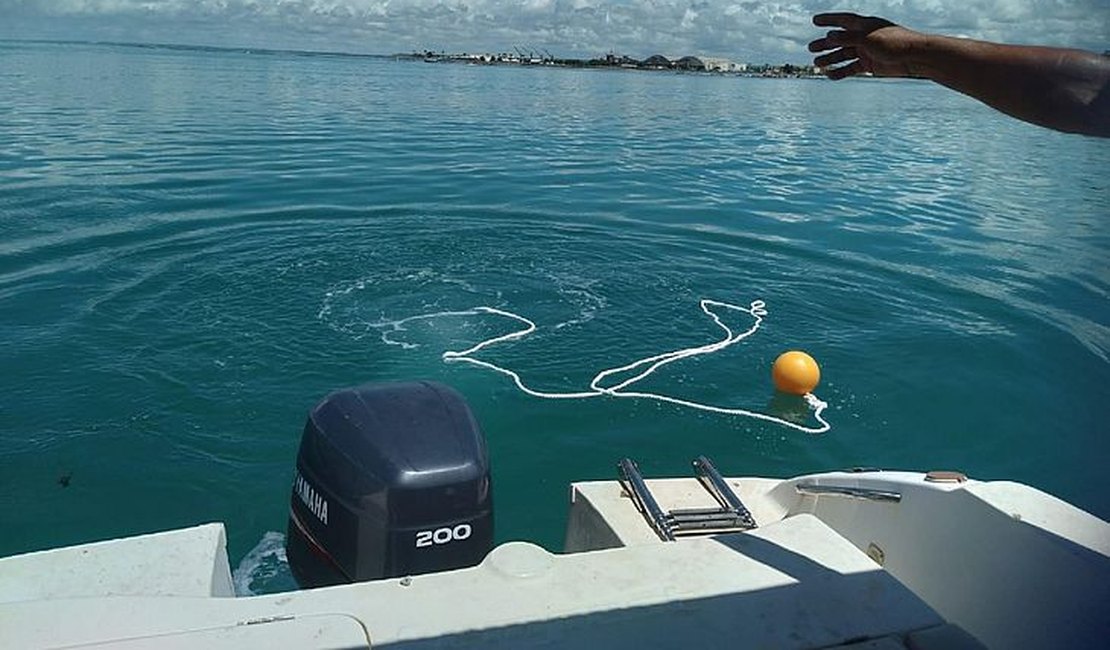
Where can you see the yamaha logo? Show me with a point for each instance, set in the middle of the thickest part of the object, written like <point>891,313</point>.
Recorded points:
<point>312,500</point>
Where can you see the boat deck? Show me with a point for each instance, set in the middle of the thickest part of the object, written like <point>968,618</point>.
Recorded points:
<point>792,584</point>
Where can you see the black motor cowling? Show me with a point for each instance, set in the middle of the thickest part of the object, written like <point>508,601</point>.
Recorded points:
<point>392,480</point>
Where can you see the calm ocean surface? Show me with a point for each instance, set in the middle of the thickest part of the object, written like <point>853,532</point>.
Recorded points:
<point>195,247</point>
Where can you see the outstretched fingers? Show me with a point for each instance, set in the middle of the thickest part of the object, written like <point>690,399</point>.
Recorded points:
<point>850,21</point>
<point>820,45</point>
<point>854,44</point>
<point>844,48</point>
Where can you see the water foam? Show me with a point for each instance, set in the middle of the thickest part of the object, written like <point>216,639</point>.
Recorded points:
<point>263,563</point>
<point>642,367</point>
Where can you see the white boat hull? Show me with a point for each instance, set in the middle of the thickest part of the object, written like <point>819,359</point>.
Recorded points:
<point>946,565</point>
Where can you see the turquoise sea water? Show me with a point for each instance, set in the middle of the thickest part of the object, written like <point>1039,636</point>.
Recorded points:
<point>195,247</point>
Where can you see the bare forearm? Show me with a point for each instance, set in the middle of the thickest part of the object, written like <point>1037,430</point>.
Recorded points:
<point>1063,89</point>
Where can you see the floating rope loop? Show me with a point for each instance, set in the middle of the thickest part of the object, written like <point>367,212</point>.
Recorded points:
<point>645,367</point>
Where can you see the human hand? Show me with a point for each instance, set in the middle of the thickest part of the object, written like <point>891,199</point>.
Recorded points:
<point>871,44</point>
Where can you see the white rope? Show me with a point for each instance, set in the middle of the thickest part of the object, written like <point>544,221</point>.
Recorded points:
<point>757,310</point>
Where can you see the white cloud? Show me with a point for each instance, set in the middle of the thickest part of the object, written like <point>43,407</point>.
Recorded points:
<point>745,30</point>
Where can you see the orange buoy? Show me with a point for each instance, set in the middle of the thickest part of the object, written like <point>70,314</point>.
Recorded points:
<point>795,372</point>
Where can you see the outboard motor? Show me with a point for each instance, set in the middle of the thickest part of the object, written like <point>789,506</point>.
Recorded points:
<point>392,480</point>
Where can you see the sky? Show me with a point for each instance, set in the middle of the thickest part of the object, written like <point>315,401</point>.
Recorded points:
<point>744,31</point>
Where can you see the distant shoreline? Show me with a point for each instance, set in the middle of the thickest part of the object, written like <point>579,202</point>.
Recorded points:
<point>655,63</point>
<point>610,61</point>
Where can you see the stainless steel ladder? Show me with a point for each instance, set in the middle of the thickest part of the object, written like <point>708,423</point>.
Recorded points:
<point>731,516</point>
